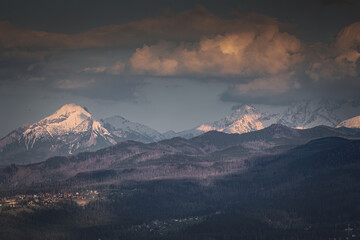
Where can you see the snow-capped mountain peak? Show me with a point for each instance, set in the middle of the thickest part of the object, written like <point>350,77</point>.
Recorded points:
<point>70,108</point>
<point>70,119</point>
<point>244,119</point>
<point>125,129</point>
<point>302,115</point>
<point>311,113</point>
<point>350,123</point>
<point>71,129</point>
<point>74,111</point>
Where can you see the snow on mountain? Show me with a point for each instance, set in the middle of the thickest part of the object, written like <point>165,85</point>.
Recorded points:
<point>12,137</point>
<point>69,130</point>
<point>350,123</point>
<point>169,134</point>
<point>72,129</point>
<point>70,119</point>
<point>302,115</point>
<point>124,129</point>
<point>312,113</point>
<point>308,114</point>
<point>244,119</point>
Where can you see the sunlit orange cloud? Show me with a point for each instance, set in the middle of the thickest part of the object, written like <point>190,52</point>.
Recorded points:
<point>250,50</point>
<point>188,25</point>
<point>338,60</point>
<point>245,54</point>
<point>260,52</point>
<point>258,58</point>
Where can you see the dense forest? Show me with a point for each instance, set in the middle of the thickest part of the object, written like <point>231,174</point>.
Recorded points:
<point>308,192</point>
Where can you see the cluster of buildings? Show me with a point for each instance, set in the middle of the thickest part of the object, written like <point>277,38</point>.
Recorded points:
<point>47,199</point>
<point>162,227</point>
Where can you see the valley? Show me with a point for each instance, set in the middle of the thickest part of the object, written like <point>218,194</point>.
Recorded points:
<point>268,184</point>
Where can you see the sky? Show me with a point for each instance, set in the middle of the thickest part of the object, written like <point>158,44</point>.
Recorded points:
<point>173,65</point>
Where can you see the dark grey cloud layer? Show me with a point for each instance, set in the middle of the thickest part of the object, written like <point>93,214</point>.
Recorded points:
<point>253,54</point>
<point>253,51</point>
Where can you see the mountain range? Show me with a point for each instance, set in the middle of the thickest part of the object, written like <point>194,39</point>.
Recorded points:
<point>291,182</point>
<point>278,182</point>
<point>213,153</point>
<point>72,129</point>
<point>302,115</point>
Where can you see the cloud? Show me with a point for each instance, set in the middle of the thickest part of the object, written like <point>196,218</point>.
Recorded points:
<point>94,69</point>
<point>340,59</point>
<point>273,84</point>
<point>108,88</point>
<point>13,37</point>
<point>188,25</point>
<point>36,79</point>
<point>116,69</point>
<point>70,84</point>
<point>194,43</point>
<point>257,57</point>
<point>328,2</point>
<point>242,54</point>
<point>271,89</point>
<point>250,53</point>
